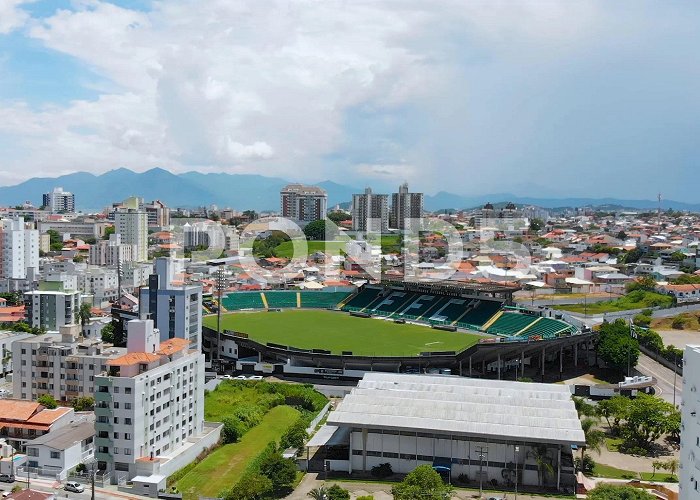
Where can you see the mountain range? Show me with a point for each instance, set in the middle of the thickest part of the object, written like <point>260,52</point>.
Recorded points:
<point>256,192</point>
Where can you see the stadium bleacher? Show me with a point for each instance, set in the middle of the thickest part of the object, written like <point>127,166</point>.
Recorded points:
<point>243,300</point>
<point>364,298</point>
<point>548,328</point>
<point>419,306</point>
<point>450,311</point>
<point>480,315</point>
<point>511,323</point>
<point>392,303</point>
<point>281,299</point>
<point>322,299</point>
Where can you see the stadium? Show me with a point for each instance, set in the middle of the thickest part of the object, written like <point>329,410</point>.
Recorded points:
<point>460,328</point>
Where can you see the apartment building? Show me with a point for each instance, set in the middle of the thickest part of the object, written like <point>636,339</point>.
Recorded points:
<point>77,228</point>
<point>59,201</point>
<point>150,406</point>
<point>63,365</point>
<point>174,306</point>
<point>7,338</point>
<point>111,252</point>
<point>102,283</point>
<point>131,222</point>
<point>19,249</point>
<point>51,310</point>
<point>406,209</point>
<point>370,211</point>
<point>690,430</point>
<point>303,203</point>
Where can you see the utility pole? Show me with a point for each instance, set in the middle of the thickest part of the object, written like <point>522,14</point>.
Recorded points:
<point>483,451</point>
<point>517,453</point>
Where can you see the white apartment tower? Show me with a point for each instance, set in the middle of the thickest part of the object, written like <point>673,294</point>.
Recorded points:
<point>19,249</point>
<point>59,201</point>
<point>149,404</point>
<point>131,224</point>
<point>370,212</point>
<point>690,426</point>
<point>303,203</point>
<point>406,209</point>
<point>112,252</point>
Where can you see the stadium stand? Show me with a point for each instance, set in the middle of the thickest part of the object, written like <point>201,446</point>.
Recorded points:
<point>390,304</point>
<point>450,311</point>
<point>364,298</point>
<point>548,328</point>
<point>510,324</point>
<point>480,314</point>
<point>243,300</point>
<point>419,306</point>
<point>322,299</point>
<point>281,299</point>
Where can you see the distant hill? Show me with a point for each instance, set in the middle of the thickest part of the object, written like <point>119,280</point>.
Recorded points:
<point>255,192</point>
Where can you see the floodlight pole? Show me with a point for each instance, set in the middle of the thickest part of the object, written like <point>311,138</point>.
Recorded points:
<point>481,450</point>
<point>517,452</point>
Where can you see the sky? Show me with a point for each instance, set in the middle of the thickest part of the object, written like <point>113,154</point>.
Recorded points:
<point>535,98</point>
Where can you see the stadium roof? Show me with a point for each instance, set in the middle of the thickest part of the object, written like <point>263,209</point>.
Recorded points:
<point>478,408</point>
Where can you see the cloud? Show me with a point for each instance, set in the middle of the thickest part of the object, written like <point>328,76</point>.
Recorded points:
<point>450,95</point>
<point>12,16</point>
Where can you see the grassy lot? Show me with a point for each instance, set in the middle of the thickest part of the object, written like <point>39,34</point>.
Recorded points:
<point>219,404</point>
<point>223,467</point>
<point>690,322</point>
<point>601,470</point>
<point>613,444</point>
<point>634,300</point>
<point>338,332</point>
<point>286,249</point>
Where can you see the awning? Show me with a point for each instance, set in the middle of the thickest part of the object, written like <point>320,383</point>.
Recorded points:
<point>330,435</point>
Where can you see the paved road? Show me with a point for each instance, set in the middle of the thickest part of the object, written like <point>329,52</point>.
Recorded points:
<point>55,487</point>
<point>664,377</point>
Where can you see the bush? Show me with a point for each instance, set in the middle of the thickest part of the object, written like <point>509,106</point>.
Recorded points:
<point>295,436</point>
<point>382,470</point>
<point>463,479</point>
<point>587,466</point>
<point>47,401</point>
<point>615,492</point>
<point>335,492</point>
<point>251,486</point>
<point>280,471</point>
<point>365,497</point>
<point>424,483</point>
<point>678,323</point>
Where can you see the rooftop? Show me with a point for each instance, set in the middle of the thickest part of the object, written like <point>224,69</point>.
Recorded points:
<point>67,436</point>
<point>171,346</point>
<point>462,406</point>
<point>133,358</point>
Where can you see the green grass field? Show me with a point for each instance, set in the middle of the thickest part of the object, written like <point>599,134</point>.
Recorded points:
<point>223,467</point>
<point>338,332</point>
<point>633,300</point>
<point>286,250</point>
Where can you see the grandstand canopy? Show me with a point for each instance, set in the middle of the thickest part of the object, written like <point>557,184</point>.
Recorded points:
<point>475,408</point>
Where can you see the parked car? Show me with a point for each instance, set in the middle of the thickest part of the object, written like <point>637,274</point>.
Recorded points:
<point>73,486</point>
<point>239,377</point>
<point>255,377</point>
<point>227,377</point>
<point>7,478</point>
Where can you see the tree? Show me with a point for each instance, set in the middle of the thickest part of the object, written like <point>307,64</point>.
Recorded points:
<point>47,401</point>
<point>615,492</point>
<point>583,408</point>
<point>320,493</point>
<point>295,436</point>
<point>586,465</point>
<point>338,216</point>
<point>84,403</point>
<point>647,419</point>
<point>252,486</point>
<point>544,462</point>
<point>616,347</point>
<point>656,465</point>
<point>280,471</point>
<point>615,408</point>
<point>594,437</point>
<point>231,431</point>
<point>621,235</point>
<point>424,483</point>
<point>536,224</point>
<point>107,333</point>
<point>671,465</point>
<point>108,230</point>
<point>317,230</point>
<point>673,425</point>
<point>646,283</point>
<point>84,313</point>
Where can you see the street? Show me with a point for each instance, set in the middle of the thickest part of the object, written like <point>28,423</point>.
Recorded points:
<point>47,485</point>
<point>664,378</point>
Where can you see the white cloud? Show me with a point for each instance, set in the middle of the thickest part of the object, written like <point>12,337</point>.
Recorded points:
<point>11,15</point>
<point>251,86</point>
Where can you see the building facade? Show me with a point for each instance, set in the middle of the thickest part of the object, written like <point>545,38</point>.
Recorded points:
<point>370,211</point>
<point>150,403</point>
<point>303,203</point>
<point>111,252</point>
<point>59,201</point>
<point>406,209</point>
<point>59,364</point>
<point>51,310</point>
<point>19,249</point>
<point>132,226</point>
<point>690,428</point>
<point>174,306</point>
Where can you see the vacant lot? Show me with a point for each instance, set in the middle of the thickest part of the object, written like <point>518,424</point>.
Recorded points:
<point>337,332</point>
<point>223,467</point>
<point>634,300</point>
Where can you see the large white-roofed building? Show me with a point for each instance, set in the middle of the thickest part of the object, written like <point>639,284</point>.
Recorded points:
<point>461,426</point>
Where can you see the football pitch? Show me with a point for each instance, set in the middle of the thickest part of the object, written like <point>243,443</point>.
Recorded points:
<point>338,331</point>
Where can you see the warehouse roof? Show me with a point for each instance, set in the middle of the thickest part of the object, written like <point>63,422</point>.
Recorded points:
<point>459,406</point>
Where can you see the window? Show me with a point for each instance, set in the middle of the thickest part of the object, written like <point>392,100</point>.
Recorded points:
<point>127,421</point>
<point>55,454</point>
<point>127,435</point>
<point>127,406</point>
<point>127,390</point>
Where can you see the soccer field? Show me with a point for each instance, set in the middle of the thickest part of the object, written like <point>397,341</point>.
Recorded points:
<point>337,332</point>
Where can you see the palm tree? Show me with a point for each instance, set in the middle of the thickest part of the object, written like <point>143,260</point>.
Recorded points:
<point>543,461</point>
<point>320,493</point>
<point>594,437</point>
<point>656,465</point>
<point>84,314</point>
<point>672,466</point>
